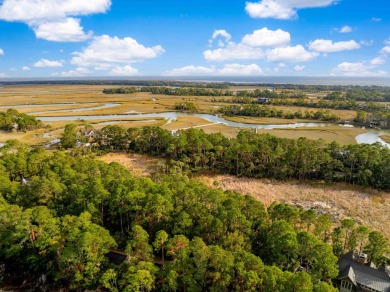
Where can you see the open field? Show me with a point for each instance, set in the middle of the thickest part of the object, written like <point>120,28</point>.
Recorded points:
<point>52,97</point>
<point>385,138</point>
<point>266,121</point>
<point>139,165</point>
<point>364,205</point>
<point>341,135</point>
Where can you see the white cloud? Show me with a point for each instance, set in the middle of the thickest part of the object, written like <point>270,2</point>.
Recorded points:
<point>68,30</point>
<point>220,33</point>
<point>191,70</point>
<point>282,9</point>
<point>345,29</point>
<point>299,68</point>
<point>25,68</point>
<point>105,51</point>
<point>47,63</point>
<point>267,38</point>
<point>357,69</point>
<point>378,61</point>
<point>251,46</point>
<point>227,70</point>
<point>385,50</point>
<point>290,54</point>
<point>78,72</point>
<point>31,10</point>
<point>3,75</point>
<point>367,43</point>
<point>376,19</point>
<point>1,52</point>
<point>237,69</point>
<point>223,33</point>
<point>234,51</point>
<point>53,19</point>
<point>328,46</point>
<point>124,71</point>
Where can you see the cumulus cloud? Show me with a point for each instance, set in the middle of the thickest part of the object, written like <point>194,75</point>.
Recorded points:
<point>267,38</point>
<point>48,63</point>
<point>68,30</point>
<point>345,29</point>
<point>26,68</point>
<point>385,50</point>
<point>291,54</point>
<point>111,51</point>
<point>223,33</point>
<point>357,69</point>
<point>1,52</point>
<point>237,69</point>
<point>53,20</point>
<point>124,71</point>
<point>227,70</point>
<point>378,61</point>
<point>78,72</point>
<point>328,46</point>
<point>3,75</point>
<point>234,51</point>
<point>251,47</point>
<point>191,70</point>
<point>299,68</point>
<point>282,9</point>
<point>367,43</point>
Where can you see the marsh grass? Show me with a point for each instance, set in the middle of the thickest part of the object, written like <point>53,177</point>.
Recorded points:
<point>145,102</point>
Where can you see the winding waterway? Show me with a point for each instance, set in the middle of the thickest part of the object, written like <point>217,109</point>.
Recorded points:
<point>372,135</point>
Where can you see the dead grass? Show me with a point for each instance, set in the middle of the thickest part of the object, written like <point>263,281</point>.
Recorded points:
<point>366,206</point>
<point>265,121</point>
<point>342,135</point>
<point>385,138</point>
<point>139,165</point>
<point>144,102</point>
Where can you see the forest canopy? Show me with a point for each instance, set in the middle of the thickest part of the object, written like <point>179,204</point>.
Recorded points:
<point>60,216</point>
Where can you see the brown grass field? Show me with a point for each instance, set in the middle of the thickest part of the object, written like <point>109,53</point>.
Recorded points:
<point>385,138</point>
<point>366,206</point>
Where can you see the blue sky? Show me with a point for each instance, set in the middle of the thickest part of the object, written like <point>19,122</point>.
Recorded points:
<point>63,38</point>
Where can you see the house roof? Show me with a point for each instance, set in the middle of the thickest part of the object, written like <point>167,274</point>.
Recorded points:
<point>363,275</point>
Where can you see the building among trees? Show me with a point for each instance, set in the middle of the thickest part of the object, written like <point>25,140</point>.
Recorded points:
<point>356,274</point>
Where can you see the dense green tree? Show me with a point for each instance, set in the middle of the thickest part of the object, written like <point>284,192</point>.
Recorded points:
<point>69,137</point>
<point>376,247</point>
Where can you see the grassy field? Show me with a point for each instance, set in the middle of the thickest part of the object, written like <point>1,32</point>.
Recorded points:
<point>385,138</point>
<point>366,206</point>
<point>88,96</point>
<point>341,135</point>
<point>266,121</point>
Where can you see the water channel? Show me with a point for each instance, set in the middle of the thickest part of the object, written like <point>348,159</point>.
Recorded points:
<point>370,137</point>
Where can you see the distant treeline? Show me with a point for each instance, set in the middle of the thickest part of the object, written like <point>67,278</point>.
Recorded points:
<point>255,110</point>
<point>221,85</point>
<point>178,91</point>
<point>256,155</point>
<point>361,95</point>
<point>342,97</point>
<point>12,120</point>
<point>211,84</point>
